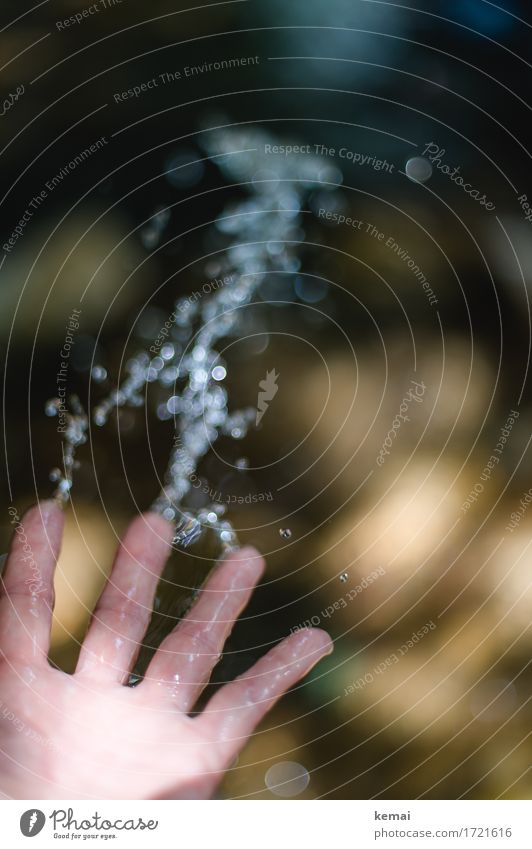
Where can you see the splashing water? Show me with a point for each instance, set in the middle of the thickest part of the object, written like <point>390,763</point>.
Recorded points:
<point>264,232</point>
<point>75,434</point>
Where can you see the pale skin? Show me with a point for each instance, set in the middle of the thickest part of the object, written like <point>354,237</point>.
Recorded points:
<point>87,735</point>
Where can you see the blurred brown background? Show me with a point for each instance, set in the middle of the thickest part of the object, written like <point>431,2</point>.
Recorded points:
<point>451,718</point>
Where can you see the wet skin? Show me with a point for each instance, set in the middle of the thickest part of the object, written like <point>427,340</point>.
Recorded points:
<point>87,735</point>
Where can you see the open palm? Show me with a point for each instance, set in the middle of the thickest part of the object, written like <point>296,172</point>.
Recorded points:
<point>87,735</point>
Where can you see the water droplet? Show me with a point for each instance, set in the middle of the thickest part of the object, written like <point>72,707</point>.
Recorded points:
<point>99,374</point>
<point>149,237</point>
<point>242,463</point>
<point>55,475</point>
<point>168,375</point>
<point>167,351</point>
<point>219,372</point>
<point>275,248</point>
<point>173,404</point>
<point>64,487</point>
<point>198,354</point>
<point>344,577</point>
<point>287,779</point>
<point>311,291</point>
<point>418,169</point>
<point>227,536</point>
<point>162,413</point>
<point>187,531</point>
<point>285,533</point>
<point>52,406</point>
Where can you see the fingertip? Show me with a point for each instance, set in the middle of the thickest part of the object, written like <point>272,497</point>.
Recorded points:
<point>46,513</point>
<point>51,510</point>
<point>247,558</point>
<point>314,640</point>
<point>326,643</point>
<point>247,552</point>
<point>146,541</point>
<point>250,551</point>
<point>156,523</point>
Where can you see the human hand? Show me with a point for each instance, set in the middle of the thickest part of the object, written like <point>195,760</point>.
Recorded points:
<point>87,735</point>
